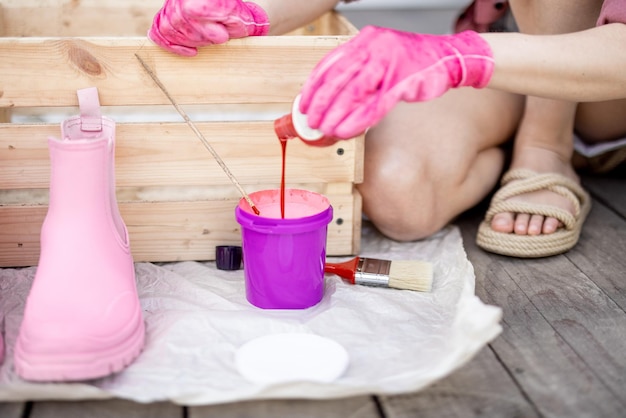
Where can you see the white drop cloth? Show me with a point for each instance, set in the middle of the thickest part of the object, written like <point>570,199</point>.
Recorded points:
<point>198,316</point>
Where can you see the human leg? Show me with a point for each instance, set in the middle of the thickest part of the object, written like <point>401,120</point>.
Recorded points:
<point>543,144</point>
<point>601,136</point>
<point>425,163</point>
<point>544,140</point>
<point>600,122</point>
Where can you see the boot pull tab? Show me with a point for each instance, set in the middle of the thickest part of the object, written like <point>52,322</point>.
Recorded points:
<point>90,117</point>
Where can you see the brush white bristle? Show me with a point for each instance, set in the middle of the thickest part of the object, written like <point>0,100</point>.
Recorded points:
<point>411,275</point>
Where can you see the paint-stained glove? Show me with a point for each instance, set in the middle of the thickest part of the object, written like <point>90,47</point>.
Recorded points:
<point>181,26</point>
<point>356,84</point>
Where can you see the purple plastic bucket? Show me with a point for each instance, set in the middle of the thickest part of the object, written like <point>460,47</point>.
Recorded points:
<point>283,259</point>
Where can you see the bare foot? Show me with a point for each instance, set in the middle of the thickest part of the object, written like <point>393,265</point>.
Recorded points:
<point>541,161</point>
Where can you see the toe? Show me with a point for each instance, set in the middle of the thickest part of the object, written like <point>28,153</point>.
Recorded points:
<point>521,223</point>
<point>503,222</point>
<point>550,225</point>
<point>535,225</point>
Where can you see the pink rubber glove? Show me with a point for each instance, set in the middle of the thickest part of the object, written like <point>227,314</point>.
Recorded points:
<point>356,84</point>
<point>183,25</point>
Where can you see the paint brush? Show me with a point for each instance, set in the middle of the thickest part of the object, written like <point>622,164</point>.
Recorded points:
<point>398,274</point>
<point>201,137</point>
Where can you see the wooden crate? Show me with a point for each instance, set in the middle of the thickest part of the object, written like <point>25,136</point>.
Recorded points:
<point>176,201</point>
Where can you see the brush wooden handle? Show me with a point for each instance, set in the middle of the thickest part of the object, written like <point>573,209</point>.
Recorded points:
<point>399,274</point>
<point>345,270</point>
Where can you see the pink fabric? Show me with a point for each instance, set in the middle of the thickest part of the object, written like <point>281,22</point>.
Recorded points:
<point>356,84</point>
<point>89,104</point>
<point>613,11</point>
<point>480,14</point>
<point>181,26</point>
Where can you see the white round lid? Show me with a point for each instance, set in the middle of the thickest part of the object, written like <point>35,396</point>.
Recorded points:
<point>281,358</point>
<point>299,122</point>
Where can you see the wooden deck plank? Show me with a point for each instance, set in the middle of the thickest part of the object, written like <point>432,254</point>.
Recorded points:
<point>600,253</point>
<point>105,409</point>
<point>611,190</point>
<point>482,387</point>
<point>12,409</point>
<point>353,407</point>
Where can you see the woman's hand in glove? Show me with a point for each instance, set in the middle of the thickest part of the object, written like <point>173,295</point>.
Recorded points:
<point>356,84</point>
<point>181,26</point>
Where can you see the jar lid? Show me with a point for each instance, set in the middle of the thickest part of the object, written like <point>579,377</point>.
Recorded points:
<point>305,132</point>
<point>228,257</point>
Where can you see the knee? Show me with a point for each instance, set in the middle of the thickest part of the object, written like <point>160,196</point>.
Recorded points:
<point>399,213</point>
<point>412,225</point>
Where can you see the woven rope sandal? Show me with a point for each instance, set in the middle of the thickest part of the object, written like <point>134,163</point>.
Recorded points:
<point>518,182</point>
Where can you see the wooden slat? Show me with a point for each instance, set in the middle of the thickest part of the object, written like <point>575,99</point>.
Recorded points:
<point>78,18</point>
<point>177,201</point>
<point>34,18</point>
<point>482,388</point>
<point>48,71</point>
<point>357,407</point>
<point>600,252</point>
<point>169,154</point>
<point>172,231</point>
<point>332,23</point>
<point>611,190</point>
<point>105,409</point>
<point>12,409</point>
<point>5,115</point>
<point>3,23</point>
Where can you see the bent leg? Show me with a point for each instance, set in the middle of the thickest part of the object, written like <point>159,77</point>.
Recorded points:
<point>544,140</point>
<point>426,163</point>
<point>601,121</point>
<point>598,125</point>
<point>543,144</point>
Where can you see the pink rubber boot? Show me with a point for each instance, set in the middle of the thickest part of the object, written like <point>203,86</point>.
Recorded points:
<point>82,318</point>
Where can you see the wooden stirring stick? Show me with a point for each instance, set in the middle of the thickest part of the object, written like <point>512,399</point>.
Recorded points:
<point>199,135</point>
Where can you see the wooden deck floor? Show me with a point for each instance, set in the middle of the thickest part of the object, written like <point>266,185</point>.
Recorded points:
<point>562,352</point>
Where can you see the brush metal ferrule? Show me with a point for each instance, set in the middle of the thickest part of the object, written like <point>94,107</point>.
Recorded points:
<point>372,272</point>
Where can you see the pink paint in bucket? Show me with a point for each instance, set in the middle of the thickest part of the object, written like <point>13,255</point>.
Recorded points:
<point>284,258</point>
